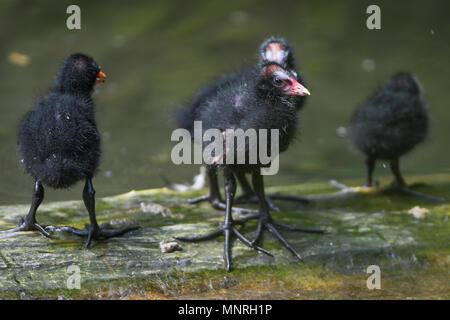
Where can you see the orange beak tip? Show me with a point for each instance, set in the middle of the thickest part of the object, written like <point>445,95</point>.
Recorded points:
<point>101,76</point>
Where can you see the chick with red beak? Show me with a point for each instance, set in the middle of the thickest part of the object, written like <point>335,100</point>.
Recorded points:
<point>281,78</point>
<point>297,89</point>
<point>261,100</point>
<point>289,84</point>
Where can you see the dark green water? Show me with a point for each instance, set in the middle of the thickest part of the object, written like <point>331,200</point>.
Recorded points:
<point>158,53</point>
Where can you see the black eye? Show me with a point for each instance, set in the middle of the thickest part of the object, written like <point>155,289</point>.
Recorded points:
<point>277,82</point>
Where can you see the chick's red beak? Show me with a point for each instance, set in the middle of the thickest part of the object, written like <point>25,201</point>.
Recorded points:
<point>101,77</point>
<point>296,89</point>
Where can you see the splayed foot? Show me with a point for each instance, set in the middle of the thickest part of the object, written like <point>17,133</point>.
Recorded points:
<point>92,232</point>
<point>266,222</point>
<point>26,225</point>
<point>227,230</point>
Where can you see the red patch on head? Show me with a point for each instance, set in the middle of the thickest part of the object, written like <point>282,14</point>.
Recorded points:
<point>275,51</point>
<point>275,46</point>
<point>266,72</point>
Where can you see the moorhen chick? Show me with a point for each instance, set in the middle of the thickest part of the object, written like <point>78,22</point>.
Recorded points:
<point>280,51</point>
<point>390,124</point>
<point>272,50</point>
<point>59,143</point>
<point>260,99</point>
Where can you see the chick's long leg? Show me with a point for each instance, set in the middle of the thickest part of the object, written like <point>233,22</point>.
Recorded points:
<point>399,184</point>
<point>266,221</point>
<point>93,230</point>
<point>227,229</point>
<point>395,168</point>
<point>370,164</point>
<point>214,194</point>
<point>30,223</point>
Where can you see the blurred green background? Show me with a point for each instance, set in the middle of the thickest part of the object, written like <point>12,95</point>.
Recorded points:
<point>157,54</point>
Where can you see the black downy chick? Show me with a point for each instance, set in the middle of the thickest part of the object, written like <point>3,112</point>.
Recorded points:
<point>59,143</point>
<point>272,50</point>
<point>261,99</point>
<point>390,124</point>
<point>280,51</point>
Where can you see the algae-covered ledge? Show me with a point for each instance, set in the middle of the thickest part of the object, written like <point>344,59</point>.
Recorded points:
<point>412,252</point>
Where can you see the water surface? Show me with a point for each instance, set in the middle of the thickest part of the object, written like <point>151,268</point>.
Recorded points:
<point>158,54</point>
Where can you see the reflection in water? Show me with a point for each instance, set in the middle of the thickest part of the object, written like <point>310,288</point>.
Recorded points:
<point>158,54</point>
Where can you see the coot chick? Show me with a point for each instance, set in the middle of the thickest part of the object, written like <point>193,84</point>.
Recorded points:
<point>59,143</point>
<point>390,124</point>
<point>261,99</point>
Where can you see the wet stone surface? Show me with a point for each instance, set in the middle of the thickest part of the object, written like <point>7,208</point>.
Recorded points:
<point>412,253</point>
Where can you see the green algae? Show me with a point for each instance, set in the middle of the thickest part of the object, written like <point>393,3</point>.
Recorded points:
<point>362,230</point>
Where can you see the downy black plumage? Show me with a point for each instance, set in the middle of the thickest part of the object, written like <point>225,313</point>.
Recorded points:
<point>58,140</point>
<point>261,98</point>
<point>390,124</point>
<point>271,50</point>
<point>59,143</point>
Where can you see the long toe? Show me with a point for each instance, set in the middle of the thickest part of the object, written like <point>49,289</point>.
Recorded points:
<point>24,226</point>
<point>298,229</point>
<point>17,229</point>
<point>222,206</point>
<point>42,230</point>
<point>246,218</point>
<point>421,195</point>
<point>249,244</point>
<point>111,233</point>
<point>208,236</point>
<point>287,197</point>
<point>72,230</point>
<point>272,205</point>
<point>280,238</point>
<point>258,234</point>
<point>206,197</point>
<point>91,233</point>
<point>219,205</point>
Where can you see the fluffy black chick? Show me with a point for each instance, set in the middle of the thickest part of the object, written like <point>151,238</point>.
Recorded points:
<point>260,99</point>
<point>271,50</point>
<point>390,124</point>
<point>59,143</point>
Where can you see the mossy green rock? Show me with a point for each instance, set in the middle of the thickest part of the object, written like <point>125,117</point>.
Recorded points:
<point>362,230</point>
